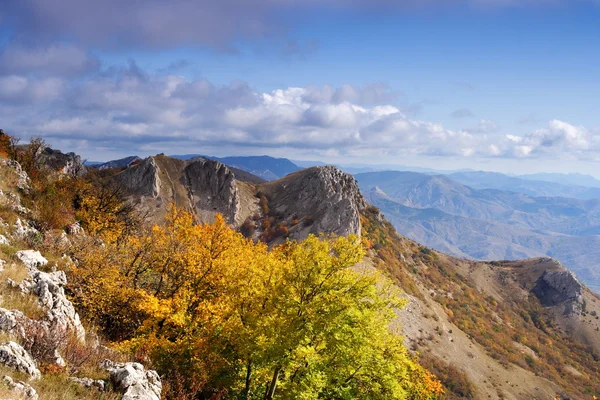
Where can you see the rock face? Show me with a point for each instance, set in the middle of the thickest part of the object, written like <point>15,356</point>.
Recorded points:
<point>325,195</point>
<point>560,288</point>
<point>120,163</point>
<point>134,381</point>
<point>64,163</point>
<point>207,187</point>
<point>14,356</point>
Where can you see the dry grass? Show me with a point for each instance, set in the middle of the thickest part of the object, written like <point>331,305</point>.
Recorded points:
<point>12,298</point>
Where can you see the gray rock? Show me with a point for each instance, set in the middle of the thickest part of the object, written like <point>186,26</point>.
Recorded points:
<point>205,186</point>
<point>49,287</point>
<point>22,177</point>
<point>327,195</point>
<point>22,229</point>
<point>32,259</point>
<point>89,383</point>
<point>4,240</point>
<point>21,388</point>
<point>14,356</point>
<point>64,163</point>
<point>560,288</point>
<point>13,323</point>
<point>133,381</point>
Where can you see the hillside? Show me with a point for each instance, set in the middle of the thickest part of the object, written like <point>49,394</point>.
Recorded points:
<point>489,224</point>
<point>499,330</point>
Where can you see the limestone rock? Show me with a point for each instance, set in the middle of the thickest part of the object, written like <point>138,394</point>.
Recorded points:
<point>4,240</point>
<point>21,388</point>
<point>325,195</point>
<point>49,287</point>
<point>560,287</point>
<point>22,229</point>
<point>32,259</point>
<point>64,163</point>
<point>205,186</point>
<point>14,356</point>
<point>89,383</point>
<point>133,381</point>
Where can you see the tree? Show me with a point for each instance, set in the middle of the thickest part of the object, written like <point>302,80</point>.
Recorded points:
<point>216,313</point>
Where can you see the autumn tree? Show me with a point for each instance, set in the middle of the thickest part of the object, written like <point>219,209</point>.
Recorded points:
<point>220,315</point>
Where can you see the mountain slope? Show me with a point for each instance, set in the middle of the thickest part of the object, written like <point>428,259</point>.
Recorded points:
<point>489,224</point>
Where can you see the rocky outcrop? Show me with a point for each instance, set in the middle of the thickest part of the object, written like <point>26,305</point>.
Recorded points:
<point>49,287</point>
<point>325,199</point>
<point>211,187</point>
<point>14,356</point>
<point>22,389</point>
<point>4,240</point>
<point>133,381</point>
<point>561,287</point>
<point>64,163</point>
<point>204,186</point>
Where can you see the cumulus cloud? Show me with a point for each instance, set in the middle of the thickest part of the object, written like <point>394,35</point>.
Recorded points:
<point>129,108</point>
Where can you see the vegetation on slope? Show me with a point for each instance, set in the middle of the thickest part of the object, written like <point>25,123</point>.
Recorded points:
<point>219,315</point>
<point>499,328</point>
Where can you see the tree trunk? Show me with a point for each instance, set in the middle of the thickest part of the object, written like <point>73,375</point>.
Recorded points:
<point>273,385</point>
<point>248,379</point>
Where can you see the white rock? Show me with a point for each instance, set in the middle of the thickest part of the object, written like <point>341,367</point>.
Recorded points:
<point>21,388</point>
<point>22,229</point>
<point>134,381</point>
<point>14,356</point>
<point>89,383</point>
<point>4,240</point>
<point>49,287</point>
<point>33,259</point>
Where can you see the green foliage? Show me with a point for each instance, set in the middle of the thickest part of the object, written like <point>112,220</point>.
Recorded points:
<point>216,313</point>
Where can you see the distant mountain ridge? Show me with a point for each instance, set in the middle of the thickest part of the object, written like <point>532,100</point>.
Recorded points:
<point>265,167</point>
<point>489,224</point>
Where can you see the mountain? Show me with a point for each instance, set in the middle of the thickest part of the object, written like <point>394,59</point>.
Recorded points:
<point>565,179</point>
<point>530,187</point>
<point>120,163</point>
<point>489,224</point>
<point>488,330</point>
<point>314,200</point>
<point>265,167</point>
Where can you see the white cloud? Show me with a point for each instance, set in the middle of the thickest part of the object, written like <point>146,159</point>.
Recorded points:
<point>127,108</point>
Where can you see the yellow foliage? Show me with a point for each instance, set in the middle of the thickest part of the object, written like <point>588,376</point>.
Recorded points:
<point>213,311</point>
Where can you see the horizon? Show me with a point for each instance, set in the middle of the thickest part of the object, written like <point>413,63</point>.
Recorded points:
<point>490,85</point>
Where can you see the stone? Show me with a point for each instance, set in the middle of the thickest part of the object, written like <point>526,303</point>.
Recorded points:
<point>32,259</point>
<point>16,357</point>
<point>4,240</point>
<point>21,388</point>
<point>133,381</point>
<point>49,287</point>
<point>560,287</point>
<point>23,229</point>
<point>89,383</point>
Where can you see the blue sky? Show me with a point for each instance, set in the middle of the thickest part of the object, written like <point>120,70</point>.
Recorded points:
<point>485,84</point>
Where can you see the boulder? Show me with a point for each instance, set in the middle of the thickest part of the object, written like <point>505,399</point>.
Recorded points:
<point>4,240</point>
<point>21,388</point>
<point>133,381</point>
<point>14,356</point>
<point>32,259</point>
<point>89,383</point>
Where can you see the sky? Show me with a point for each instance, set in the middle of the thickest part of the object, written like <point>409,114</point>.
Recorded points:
<point>502,85</point>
